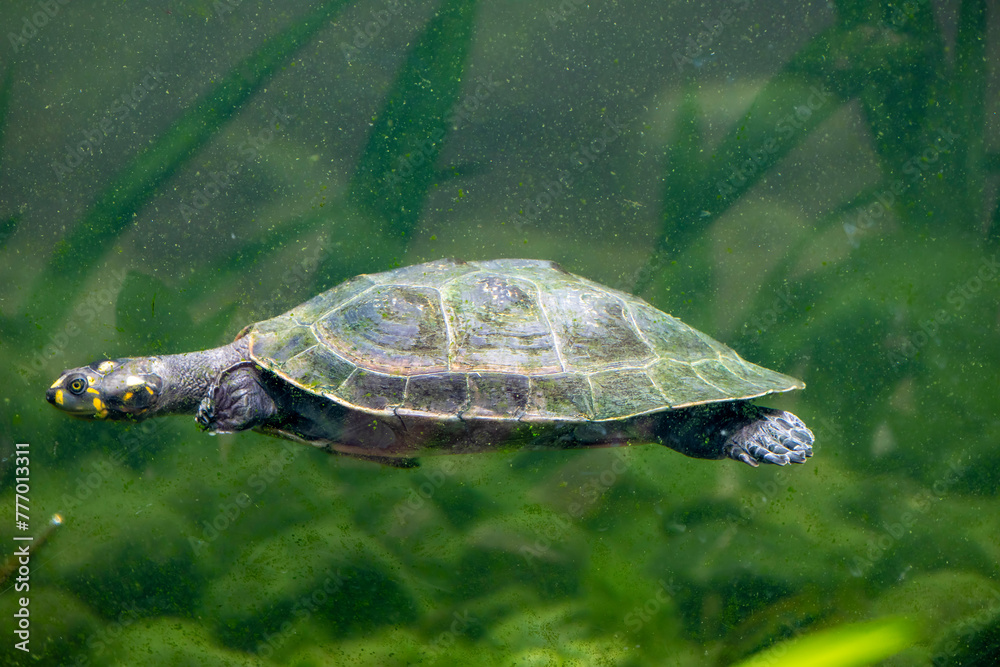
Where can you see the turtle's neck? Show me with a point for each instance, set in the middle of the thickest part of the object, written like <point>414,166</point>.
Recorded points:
<point>186,377</point>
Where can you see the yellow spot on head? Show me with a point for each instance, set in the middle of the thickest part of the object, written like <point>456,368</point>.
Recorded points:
<point>91,390</point>
<point>127,396</point>
<point>59,397</point>
<point>105,367</point>
<point>91,380</point>
<point>101,411</point>
<point>149,389</point>
<point>55,384</point>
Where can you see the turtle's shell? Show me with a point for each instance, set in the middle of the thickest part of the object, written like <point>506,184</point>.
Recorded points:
<point>508,339</point>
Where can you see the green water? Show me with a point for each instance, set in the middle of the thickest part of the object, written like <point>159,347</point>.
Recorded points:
<point>812,184</point>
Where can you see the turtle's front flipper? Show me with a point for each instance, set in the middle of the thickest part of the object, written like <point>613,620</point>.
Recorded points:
<point>774,436</point>
<point>236,401</point>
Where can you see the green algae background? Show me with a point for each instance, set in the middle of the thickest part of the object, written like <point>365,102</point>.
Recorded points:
<point>813,184</point>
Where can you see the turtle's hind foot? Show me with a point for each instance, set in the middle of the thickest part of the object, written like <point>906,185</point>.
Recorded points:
<point>776,437</point>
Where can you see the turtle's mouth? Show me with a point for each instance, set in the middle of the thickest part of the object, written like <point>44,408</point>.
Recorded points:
<point>87,406</point>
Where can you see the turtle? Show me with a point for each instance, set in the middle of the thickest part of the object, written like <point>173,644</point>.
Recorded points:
<point>459,357</point>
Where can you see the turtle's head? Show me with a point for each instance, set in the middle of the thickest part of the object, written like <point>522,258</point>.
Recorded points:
<point>118,389</point>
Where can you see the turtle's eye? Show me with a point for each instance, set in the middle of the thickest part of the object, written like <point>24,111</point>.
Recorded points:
<point>77,386</point>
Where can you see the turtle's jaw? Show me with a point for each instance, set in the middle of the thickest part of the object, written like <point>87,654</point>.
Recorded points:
<point>85,402</point>
<point>113,390</point>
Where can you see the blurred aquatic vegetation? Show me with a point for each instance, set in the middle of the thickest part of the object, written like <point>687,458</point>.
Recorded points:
<point>853,645</point>
<point>393,177</point>
<point>925,112</point>
<point>287,556</point>
<point>156,318</point>
<point>396,171</point>
<point>398,168</point>
<point>974,643</point>
<point>137,183</point>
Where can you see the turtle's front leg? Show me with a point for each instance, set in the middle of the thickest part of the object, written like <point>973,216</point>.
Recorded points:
<point>236,401</point>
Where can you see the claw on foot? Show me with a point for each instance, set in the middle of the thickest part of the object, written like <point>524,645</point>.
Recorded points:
<point>776,437</point>
<point>206,409</point>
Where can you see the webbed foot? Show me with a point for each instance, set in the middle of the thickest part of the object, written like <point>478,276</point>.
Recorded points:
<point>235,402</point>
<point>776,437</point>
